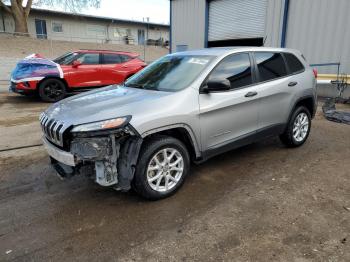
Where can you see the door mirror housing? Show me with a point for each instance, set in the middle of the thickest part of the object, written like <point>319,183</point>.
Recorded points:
<point>76,63</point>
<point>216,86</point>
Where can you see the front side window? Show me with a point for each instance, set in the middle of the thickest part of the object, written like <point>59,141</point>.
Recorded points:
<point>294,64</point>
<point>236,69</point>
<point>111,59</point>
<point>270,65</point>
<point>89,59</point>
<point>170,73</point>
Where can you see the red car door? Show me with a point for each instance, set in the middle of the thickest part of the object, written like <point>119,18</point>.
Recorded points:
<point>113,69</point>
<point>85,71</point>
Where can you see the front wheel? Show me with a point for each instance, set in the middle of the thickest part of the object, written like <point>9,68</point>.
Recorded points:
<point>298,128</point>
<point>162,167</point>
<point>52,90</point>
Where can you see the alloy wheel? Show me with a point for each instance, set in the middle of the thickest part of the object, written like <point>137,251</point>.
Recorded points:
<point>300,127</point>
<point>53,90</point>
<point>165,169</point>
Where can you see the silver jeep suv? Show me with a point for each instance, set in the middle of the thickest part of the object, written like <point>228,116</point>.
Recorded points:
<point>185,107</point>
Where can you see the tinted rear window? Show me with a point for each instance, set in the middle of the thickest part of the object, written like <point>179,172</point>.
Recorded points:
<point>111,59</point>
<point>293,63</point>
<point>270,65</point>
<point>124,58</point>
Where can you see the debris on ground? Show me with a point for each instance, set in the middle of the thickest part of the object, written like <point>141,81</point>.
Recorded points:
<point>330,112</point>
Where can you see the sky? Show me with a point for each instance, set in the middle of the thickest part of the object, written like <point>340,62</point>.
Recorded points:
<point>156,10</point>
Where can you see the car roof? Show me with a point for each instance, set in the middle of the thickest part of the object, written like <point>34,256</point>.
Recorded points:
<point>106,52</point>
<point>219,51</point>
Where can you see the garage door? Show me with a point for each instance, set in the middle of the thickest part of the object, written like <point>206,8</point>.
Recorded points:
<point>235,19</point>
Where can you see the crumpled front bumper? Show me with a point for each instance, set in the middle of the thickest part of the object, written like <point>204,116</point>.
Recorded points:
<point>110,159</point>
<point>61,156</point>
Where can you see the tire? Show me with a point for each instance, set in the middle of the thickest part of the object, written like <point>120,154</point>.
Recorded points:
<point>52,90</point>
<point>290,137</point>
<point>146,168</point>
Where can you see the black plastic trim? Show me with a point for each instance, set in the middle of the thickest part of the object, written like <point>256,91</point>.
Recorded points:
<point>243,140</point>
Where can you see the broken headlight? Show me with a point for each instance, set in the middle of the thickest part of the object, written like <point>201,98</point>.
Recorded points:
<point>102,125</point>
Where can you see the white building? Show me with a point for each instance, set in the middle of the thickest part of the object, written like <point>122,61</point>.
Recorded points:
<point>86,28</point>
<point>318,28</point>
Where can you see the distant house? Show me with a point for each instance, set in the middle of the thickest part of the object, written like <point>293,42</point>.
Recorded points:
<point>55,25</point>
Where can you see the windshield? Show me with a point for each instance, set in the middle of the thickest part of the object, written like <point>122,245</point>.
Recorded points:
<point>170,73</point>
<point>66,59</point>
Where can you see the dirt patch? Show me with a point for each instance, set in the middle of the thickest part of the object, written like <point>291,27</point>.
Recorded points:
<point>263,202</point>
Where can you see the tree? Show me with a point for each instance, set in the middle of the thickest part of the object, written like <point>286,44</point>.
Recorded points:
<point>20,12</point>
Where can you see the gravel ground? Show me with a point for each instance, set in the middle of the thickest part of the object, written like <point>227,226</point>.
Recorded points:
<point>263,202</point>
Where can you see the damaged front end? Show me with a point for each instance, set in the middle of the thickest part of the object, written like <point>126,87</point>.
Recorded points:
<point>109,156</point>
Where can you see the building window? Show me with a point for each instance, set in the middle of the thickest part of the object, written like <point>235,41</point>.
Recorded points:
<point>119,32</point>
<point>96,30</point>
<point>57,27</point>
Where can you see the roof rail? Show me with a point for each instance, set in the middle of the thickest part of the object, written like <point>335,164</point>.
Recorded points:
<point>104,50</point>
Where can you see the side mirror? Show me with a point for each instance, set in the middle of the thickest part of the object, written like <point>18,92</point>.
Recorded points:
<point>76,63</point>
<point>216,85</point>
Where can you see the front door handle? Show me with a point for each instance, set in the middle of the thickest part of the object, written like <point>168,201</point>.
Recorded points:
<point>250,94</point>
<point>292,83</point>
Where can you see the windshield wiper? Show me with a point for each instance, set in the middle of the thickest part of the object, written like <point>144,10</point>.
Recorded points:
<point>135,86</point>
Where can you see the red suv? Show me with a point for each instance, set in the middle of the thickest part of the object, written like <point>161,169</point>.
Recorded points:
<point>75,71</point>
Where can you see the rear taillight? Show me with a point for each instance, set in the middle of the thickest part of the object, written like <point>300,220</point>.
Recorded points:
<point>315,72</point>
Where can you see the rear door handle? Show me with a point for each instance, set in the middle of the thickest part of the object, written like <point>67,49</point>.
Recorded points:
<point>252,93</point>
<point>292,83</point>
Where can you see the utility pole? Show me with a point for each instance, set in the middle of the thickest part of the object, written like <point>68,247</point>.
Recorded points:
<point>145,37</point>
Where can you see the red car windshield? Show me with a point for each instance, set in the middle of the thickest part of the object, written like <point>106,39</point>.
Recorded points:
<point>66,59</point>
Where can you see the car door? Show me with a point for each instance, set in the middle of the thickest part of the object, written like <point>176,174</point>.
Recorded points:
<point>113,69</point>
<point>86,73</point>
<point>228,116</point>
<point>275,90</point>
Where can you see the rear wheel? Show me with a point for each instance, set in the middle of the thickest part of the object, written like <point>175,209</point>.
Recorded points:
<point>52,90</point>
<point>298,128</point>
<point>162,168</point>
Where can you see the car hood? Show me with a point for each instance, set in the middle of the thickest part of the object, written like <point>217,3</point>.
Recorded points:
<point>105,103</point>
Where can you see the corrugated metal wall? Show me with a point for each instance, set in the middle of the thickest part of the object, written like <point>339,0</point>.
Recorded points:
<point>318,28</point>
<point>273,27</point>
<point>237,19</point>
<point>188,23</point>
<point>321,30</point>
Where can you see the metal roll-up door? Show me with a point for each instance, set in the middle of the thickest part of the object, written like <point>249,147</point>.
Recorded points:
<point>235,19</point>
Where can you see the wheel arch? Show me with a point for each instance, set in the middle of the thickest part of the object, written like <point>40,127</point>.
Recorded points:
<point>182,132</point>
<point>307,101</point>
<point>54,77</point>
